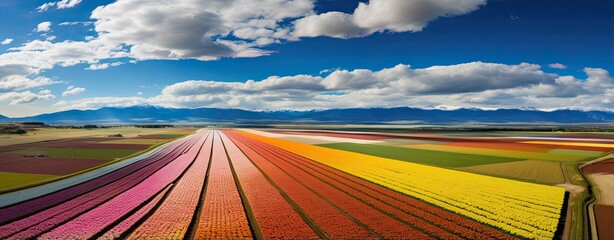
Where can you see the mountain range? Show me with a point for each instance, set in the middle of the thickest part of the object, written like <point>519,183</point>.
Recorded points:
<point>401,115</point>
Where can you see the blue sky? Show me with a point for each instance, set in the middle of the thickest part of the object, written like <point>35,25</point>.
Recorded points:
<point>381,53</point>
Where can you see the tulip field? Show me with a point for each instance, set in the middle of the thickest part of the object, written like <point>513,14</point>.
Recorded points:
<point>235,184</point>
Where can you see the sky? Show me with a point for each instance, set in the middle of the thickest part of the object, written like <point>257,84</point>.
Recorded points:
<point>58,55</point>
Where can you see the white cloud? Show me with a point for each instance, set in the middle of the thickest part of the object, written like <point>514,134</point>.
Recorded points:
<point>475,84</point>
<point>43,27</point>
<point>72,90</point>
<point>100,102</point>
<point>6,41</point>
<point>60,5</point>
<point>67,3</point>
<point>101,66</point>
<point>16,77</point>
<point>45,6</point>
<point>209,30</point>
<point>557,66</point>
<point>382,15</point>
<point>86,23</point>
<point>174,29</point>
<point>26,97</point>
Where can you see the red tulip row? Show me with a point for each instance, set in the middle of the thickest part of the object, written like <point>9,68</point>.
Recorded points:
<point>376,221</point>
<point>426,218</point>
<point>222,215</point>
<point>105,215</point>
<point>173,217</point>
<point>14,212</point>
<point>48,219</point>
<point>275,216</point>
<point>327,217</point>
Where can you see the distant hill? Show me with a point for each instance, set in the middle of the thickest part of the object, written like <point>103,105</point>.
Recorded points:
<point>151,114</point>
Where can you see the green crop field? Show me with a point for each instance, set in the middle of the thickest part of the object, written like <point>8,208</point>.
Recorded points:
<point>77,152</point>
<point>436,158</point>
<point>530,170</point>
<point>12,180</point>
<point>549,156</point>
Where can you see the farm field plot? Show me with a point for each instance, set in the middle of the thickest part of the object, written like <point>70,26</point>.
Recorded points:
<point>501,153</point>
<point>531,170</point>
<point>430,157</point>
<point>606,166</point>
<point>11,180</point>
<point>475,196</point>
<point>236,184</point>
<point>604,215</point>
<point>62,152</point>
<point>75,153</point>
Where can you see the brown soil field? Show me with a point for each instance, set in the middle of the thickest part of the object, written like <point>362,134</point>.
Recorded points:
<point>50,166</point>
<point>604,217</point>
<point>5,158</point>
<point>606,166</point>
<point>74,143</point>
<point>115,146</point>
<point>502,146</point>
<point>331,134</point>
<point>597,149</point>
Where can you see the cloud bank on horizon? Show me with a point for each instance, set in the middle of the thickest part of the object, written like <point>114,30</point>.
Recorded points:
<point>127,32</point>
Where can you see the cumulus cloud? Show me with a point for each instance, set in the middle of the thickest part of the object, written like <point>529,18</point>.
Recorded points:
<point>72,90</point>
<point>43,27</point>
<point>15,77</point>
<point>209,30</point>
<point>59,5</point>
<point>100,102</point>
<point>557,66</point>
<point>26,97</point>
<point>101,66</point>
<point>176,29</point>
<point>475,84</point>
<point>6,41</point>
<point>380,16</point>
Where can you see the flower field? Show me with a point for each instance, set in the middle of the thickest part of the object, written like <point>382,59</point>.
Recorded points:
<point>233,184</point>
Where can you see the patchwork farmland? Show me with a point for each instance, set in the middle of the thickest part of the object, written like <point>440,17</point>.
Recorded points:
<point>49,154</point>
<point>298,184</point>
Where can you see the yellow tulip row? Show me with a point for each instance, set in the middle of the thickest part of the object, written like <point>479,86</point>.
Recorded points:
<point>525,209</point>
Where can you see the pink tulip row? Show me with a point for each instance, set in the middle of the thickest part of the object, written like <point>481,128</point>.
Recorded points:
<point>172,219</point>
<point>34,205</point>
<point>121,228</point>
<point>47,219</point>
<point>223,215</point>
<point>54,215</point>
<point>95,220</point>
<point>275,216</point>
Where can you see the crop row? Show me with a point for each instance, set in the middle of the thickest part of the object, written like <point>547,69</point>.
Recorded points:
<point>95,220</point>
<point>276,218</point>
<point>47,219</point>
<point>328,219</point>
<point>34,192</point>
<point>173,217</point>
<point>84,199</point>
<point>403,208</point>
<point>121,228</point>
<point>31,206</point>
<point>223,215</point>
<point>525,209</point>
<point>378,222</point>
